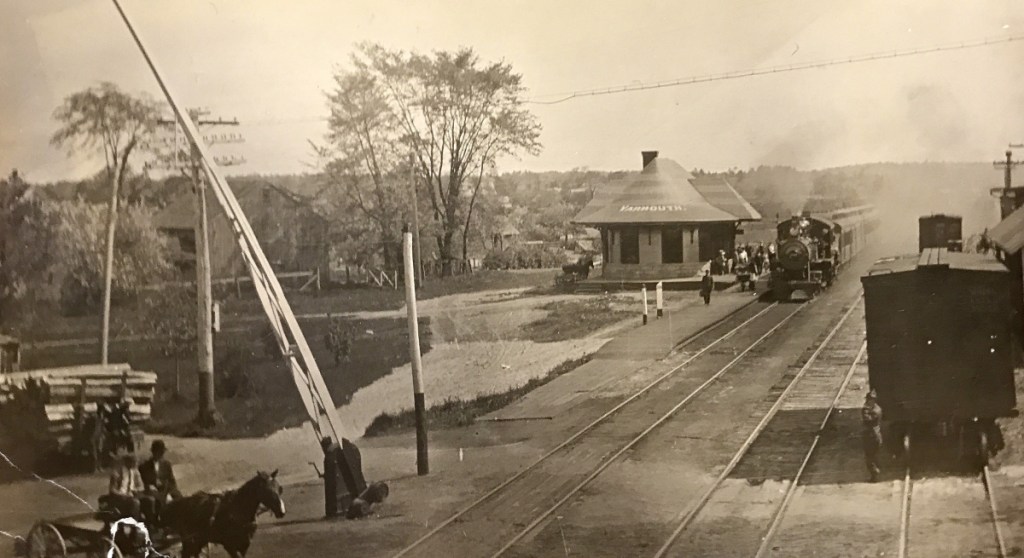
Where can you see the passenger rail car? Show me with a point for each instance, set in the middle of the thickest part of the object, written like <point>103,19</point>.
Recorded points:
<point>812,248</point>
<point>940,345</point>
<point>940,231</point>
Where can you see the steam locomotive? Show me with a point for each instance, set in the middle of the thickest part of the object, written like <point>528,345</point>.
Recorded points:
<point>812,248</point>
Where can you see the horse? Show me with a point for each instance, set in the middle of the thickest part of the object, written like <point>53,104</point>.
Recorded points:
<point>227,519</point>
<point>581,268</point>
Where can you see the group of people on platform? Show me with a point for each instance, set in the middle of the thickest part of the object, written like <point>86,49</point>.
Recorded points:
<point>140,491</point>
<point>754,259</point>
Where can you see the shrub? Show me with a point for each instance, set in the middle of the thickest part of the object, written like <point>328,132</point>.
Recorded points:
<point>233,373</point>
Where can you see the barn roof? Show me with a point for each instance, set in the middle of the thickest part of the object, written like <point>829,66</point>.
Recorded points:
<point>180,213</point>
<point>662,193</point>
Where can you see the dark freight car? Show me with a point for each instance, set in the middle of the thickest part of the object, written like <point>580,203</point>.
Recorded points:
<point>940,231</point>
<point>939,338</point>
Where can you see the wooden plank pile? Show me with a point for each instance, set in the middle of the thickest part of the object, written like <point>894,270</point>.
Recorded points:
<point>51,406</point>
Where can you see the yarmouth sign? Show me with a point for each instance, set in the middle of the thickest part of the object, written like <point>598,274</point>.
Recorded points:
<point>634,208</point>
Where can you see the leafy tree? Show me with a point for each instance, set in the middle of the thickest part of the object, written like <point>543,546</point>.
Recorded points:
<point>141,253</point>
<point>105,118</point>
<point>365,158</point>
<point>27,240</point>
<point>456,114</point>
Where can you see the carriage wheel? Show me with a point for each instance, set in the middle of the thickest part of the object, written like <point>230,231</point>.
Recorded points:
<point>106,548</point>
<point>45,541</point>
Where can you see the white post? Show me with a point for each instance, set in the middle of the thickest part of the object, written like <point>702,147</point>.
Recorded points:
<point>422,466</point>
<point>660,300</point>
<point>643,290</point>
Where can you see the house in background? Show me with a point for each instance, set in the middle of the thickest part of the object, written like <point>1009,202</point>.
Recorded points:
<point>293,236</point>
<point>663,223</point>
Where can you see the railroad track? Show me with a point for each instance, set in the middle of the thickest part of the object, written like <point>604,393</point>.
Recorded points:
<point>960,506</point>
<point>496,521</point>
<point>811,389</point>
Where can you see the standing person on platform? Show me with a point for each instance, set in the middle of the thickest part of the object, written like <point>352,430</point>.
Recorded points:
<point>707,285</point>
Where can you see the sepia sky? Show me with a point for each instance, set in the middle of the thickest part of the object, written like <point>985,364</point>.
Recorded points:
<point>269,62</point>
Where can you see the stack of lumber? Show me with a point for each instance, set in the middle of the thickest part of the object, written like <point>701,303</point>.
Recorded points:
<point>48,405</point>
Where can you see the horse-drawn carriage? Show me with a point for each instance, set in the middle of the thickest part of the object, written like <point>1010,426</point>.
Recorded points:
<point>575,272</point>
<point>91,535</point>
<point>189,524</point>
<point>82,411</point>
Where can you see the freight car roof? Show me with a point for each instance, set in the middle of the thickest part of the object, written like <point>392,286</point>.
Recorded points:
<point>938,257</point>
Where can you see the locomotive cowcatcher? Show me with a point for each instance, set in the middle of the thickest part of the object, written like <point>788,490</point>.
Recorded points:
<point>940,348</point>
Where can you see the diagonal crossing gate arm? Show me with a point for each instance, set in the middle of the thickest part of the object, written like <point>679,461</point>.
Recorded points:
<point>310,383</point>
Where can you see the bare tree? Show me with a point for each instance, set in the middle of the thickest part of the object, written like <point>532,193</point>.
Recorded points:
<point>458,116</point>
<point>365,156</point>
<point>105,118</point>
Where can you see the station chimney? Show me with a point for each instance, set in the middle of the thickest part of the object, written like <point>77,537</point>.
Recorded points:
<point>648,157</point>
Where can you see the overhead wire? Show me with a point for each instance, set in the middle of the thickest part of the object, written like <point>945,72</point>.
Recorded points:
<point>784,68</point>
<point>722,76</point>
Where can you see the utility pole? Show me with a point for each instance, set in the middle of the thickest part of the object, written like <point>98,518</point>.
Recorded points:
<point>207,414</point>
<point>416,363</point>
<point>1010,198</point>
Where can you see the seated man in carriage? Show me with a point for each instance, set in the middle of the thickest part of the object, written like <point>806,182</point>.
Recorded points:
<point>126,491</point>
<point>158,479</point>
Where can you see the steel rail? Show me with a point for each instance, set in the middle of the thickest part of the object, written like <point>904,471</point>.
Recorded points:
<point>608,462</point>
<point>699,505</point>
<point>491,493</point>
<point>908,490</point>
<point>766,541</point>
<point>986,478</point>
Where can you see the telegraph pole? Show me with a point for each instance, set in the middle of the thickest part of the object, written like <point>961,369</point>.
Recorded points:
<point>207,414</point>
<point>1010,197</point>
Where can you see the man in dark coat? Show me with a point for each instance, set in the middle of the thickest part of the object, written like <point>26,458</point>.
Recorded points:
<point>158,478</point>
<point>707,284</point>
<point>871,420</point>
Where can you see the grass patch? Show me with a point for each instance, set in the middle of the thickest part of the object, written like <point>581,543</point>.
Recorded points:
<point>453,413</point>
<point>575,319</point>
<point>371,299</point>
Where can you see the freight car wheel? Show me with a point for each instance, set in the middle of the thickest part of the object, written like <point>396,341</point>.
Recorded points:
<point>45,541</point>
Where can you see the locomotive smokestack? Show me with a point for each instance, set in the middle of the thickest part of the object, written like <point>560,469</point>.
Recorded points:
<point>648,157</point>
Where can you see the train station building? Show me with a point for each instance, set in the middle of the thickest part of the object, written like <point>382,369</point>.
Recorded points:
<point>664,223</point>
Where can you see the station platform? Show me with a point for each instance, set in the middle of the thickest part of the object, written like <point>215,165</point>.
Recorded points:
<point>599,285</point>
<point>624,355</point>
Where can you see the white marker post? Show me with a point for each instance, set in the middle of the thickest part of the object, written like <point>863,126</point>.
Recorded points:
<point>643,291</point>
<point>660,300</point>
<point>422,464</point>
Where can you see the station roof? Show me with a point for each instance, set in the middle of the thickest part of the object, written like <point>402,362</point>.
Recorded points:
<point>722,195</point>
<point>665,192</point>
<point>1009,233</point>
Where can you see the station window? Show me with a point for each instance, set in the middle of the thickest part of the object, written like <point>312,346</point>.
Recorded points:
<point>630,248</point>
<point>672,244</point>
